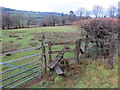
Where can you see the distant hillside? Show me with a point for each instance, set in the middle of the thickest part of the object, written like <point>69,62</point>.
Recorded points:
<point>14,19</point>
<point>37,14</point>
<point>14,10</point>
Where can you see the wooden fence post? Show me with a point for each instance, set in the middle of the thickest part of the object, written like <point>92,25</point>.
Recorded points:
<point>43,52</point>
<point>78,45</point>
<point>50,52</point>
<point>112,52</point>
<point>86,42</point>
<point>41,63</point>
<point>50,56</point>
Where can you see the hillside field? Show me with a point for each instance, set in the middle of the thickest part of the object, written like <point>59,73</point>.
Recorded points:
<point>87,74</point>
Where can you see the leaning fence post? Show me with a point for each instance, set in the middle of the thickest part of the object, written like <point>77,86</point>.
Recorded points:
<point>43,52</point>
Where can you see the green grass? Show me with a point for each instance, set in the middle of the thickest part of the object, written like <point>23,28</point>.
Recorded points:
<point>28,34</point>
<point>97,76</point>
<point>91,74</point>
<point>46,29</point>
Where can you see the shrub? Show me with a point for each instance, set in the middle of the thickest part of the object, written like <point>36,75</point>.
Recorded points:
<point>99,27</point>
<point>103,32</point>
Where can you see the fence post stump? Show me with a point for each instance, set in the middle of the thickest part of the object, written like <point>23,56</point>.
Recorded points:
<point>43,52</point>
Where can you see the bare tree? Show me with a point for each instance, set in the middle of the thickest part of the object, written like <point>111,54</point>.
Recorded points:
<point>98,11</point>
<point>64,18</point>
<point>72,17</point>
<point>51,20</point>
<point>118,12</point>
<point>6,20</point>
<point>112,11</point>
<point>87,13</point>
<point>80,12</point>
<point>18,20</point>
<point>29,18</point>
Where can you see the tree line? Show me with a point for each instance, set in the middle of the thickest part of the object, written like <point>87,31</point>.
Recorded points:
<point>20,20</point>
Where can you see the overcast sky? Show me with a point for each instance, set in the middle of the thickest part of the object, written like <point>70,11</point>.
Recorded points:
<point>55,5</point>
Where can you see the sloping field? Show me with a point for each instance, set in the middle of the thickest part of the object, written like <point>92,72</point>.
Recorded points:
<point>87,74</point>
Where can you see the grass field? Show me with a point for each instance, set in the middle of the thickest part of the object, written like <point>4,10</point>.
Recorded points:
<point>88,74</point>
<point>34,33</point>
<point>30,36</point>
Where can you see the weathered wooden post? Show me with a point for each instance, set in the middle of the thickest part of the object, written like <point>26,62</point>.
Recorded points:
<point>43,52</point>
<point>86,42</point>
<point>49,52</point>
<point>78,45</point>
<point>112,51</point>
<point>41,63</point>
<point>49,47</point>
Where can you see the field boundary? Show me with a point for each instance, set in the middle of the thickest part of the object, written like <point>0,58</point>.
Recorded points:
<point>32,73</point>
